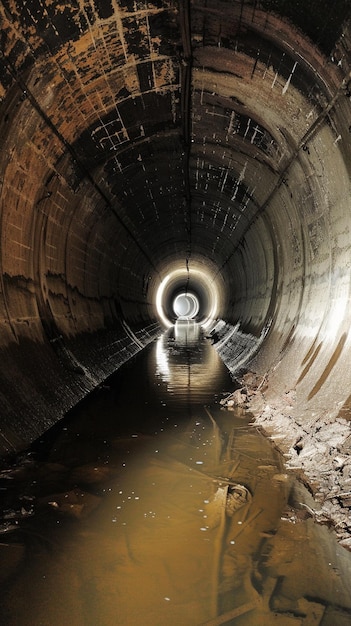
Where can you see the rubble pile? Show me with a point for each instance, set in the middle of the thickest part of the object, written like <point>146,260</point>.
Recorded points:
<point>318,448</point>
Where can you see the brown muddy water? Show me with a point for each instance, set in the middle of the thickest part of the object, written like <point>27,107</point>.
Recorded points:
<point>153,505</point>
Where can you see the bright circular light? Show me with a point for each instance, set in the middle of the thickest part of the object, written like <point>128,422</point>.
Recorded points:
<point>159,301</point>
<point>189,308</point>
<point>186,305</point>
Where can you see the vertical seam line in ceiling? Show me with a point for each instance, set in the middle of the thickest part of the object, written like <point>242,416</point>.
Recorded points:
<point>186,71</point>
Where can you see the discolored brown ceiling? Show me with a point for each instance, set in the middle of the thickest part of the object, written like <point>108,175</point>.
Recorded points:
<point>142,137</point>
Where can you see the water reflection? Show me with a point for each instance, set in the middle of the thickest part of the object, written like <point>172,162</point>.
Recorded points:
<point>154,506</point>
<point>188,365</point>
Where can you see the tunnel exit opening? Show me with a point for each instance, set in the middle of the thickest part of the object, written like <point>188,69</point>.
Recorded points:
<point>197,295</point>
<point>186,306</point>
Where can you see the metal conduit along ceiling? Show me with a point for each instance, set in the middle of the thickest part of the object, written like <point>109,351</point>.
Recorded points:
<point>191,146</point>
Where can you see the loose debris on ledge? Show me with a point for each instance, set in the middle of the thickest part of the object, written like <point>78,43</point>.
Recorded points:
<point>319,450</point>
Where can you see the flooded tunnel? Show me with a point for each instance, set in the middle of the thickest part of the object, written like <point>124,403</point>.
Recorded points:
<point>171,159</point>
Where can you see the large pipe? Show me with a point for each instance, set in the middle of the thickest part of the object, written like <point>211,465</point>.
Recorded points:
<point>101,199</point>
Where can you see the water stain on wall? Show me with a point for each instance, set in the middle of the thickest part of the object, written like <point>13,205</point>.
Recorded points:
<point>312,359</point>
<point>329,367</point>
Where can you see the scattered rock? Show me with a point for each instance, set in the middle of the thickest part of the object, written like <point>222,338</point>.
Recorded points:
<point>345,499</point>
<point>7,527</point>
<point>346,543</point>
<point>318,448</point>
<point>237,398</point>
<point>75,503</point>
<point>253,382</point>
<point>280,478</point>
<point>237,497</point>
<point>339,462</point>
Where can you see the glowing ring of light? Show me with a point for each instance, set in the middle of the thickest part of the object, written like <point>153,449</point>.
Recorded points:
<point>204,279</point>
<point>159,301</point>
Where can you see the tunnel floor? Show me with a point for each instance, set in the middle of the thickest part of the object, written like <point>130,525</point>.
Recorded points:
<point>153,504</point>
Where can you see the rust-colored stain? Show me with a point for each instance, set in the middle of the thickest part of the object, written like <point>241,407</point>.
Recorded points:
<point>329,367</point>
<point>345,411</point>
<point>288,339</point>
<point>311,361</point>
<point>309,352</point>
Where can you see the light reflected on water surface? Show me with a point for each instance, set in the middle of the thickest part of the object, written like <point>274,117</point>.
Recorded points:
<point>154,506</point>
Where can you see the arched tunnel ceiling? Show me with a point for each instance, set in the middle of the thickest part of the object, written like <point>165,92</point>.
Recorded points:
<point>140,136</point>
<point>155,112</point>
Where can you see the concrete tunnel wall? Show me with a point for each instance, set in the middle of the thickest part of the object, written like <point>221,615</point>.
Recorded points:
<point>144,138</point>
